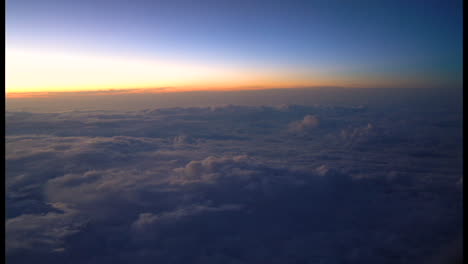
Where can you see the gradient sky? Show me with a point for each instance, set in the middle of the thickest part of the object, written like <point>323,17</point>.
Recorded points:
<point>71,45</point>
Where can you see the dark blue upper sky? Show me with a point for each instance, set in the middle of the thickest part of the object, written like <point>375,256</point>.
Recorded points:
<point>351,40</point>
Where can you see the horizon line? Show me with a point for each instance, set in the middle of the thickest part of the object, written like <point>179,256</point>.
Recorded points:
<point>168,89</point>
<point>172,89</point>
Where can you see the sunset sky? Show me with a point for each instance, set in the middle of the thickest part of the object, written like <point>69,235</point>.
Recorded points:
<point>98,45</point>
<point>234,131</point>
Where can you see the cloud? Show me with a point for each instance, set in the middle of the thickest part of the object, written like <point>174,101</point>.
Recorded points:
<point>361,135</point>
<point>306,125</point>
<point>39,232</point>
<point>212,168</point>
<point>233,184</point>
<point>146,220</point>
<point>183,140</point>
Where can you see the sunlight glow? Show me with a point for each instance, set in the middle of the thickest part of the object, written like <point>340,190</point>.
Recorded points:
<point>33,71</point>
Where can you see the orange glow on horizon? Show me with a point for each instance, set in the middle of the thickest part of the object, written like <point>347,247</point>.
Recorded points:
<point>46,74</point>
<point>45,94</point>
<point>32,71</point>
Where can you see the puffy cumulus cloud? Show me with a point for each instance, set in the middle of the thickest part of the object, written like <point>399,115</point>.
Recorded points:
<point>105,193</point>
<point>233,184</point>
<point>306,125</point>
<point>212,168</point>
<point>33,161</point>
<point>237,179</point>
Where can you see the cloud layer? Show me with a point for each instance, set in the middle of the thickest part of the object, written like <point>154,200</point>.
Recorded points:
<point>233,184</point>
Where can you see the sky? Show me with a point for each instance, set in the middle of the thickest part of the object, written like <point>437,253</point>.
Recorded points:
<point>56,46</point>
<point>233,132</point>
